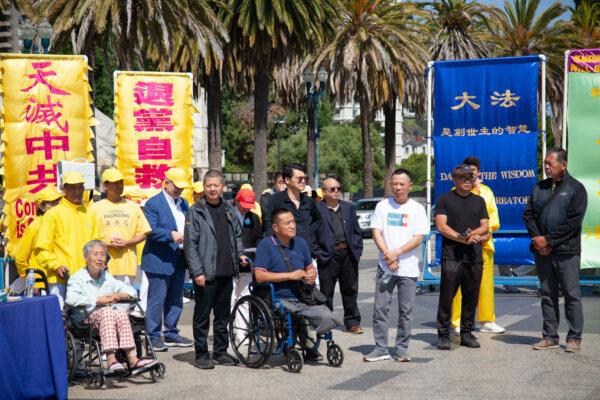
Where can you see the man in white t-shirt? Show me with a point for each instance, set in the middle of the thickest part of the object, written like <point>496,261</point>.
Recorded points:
<point>399,224</point>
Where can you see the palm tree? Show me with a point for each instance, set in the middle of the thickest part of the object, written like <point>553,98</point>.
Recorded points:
<point>586,23</point>
<point>264,33</point>
<point>522,29</point>
<point>458,30</point>
<point>376,43</point>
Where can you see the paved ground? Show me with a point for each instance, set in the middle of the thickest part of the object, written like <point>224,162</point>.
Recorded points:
<point>504,368</point>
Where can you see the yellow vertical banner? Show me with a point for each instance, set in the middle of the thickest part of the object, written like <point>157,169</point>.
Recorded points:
<point>153,122</point>
<point>46,118</point>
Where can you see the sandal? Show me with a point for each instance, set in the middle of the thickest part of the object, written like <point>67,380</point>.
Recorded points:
<point>116,366</point>
<point>142,365</point>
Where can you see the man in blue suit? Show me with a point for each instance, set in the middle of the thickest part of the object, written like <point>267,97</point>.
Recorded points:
<point>163,261</point>
<point>340,247</point>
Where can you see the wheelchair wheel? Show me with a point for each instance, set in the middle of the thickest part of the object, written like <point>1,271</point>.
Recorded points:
<point>71,355</point>
<point>96,380</point>
<point>335,355</point>
<point>295,361</point>
<point>158,372</point>
<point>251,331</point>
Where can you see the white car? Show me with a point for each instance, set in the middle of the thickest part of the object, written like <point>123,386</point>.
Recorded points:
<point>364,211</point>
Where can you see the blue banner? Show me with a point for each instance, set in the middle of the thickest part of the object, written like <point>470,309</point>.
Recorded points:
<point>488,108</point>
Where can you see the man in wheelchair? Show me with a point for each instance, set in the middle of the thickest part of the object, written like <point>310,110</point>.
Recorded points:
<point>285,260</point>
<point>97,291</point>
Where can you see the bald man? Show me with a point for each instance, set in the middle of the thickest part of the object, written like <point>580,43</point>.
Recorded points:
<point>340,247</point>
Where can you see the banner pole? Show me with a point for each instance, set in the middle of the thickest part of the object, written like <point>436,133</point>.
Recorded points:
<point>429,133</point>
<point>544,59</point>
<point>565,100</point>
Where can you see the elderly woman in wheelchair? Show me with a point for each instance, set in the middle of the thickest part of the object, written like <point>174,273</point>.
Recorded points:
<point>92,296</point>
<point>283,304</point>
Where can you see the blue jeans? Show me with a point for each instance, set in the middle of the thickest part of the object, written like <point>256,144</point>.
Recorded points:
<point>165,294</point>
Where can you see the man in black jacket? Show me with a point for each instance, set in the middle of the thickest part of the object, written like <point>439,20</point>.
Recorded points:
<point>340,247</point>
<point>553,217</point>
<point>213,251</point>
<point>303,207</point>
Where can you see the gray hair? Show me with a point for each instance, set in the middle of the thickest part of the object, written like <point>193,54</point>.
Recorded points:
<point>87,248</point>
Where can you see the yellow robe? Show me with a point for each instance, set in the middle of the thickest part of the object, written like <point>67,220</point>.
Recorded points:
<point>485,305</point>
<point>64,230</point>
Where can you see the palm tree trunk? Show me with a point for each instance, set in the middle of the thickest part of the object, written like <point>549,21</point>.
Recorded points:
<point>261,118</point>
<point>389,112</point>
<point>310,143</point>
<point>214,114</point>
<point>556,123</point>
<point>365,111</point>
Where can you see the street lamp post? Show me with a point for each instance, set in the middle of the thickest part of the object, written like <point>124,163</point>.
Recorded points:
<point>314,93</point>
<point>31,33</point>
<point>45,31</point>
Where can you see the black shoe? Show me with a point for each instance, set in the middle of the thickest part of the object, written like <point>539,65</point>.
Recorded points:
<point>158,345</point>
<point>468,340</point>
<point>225,359</point>
<point>443,343</point>
<point>205,362</point>
<point>313,355</point>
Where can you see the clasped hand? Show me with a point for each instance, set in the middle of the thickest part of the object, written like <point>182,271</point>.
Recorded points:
<point>112,298</point>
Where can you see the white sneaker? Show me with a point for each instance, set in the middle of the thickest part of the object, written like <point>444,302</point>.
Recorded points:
<point>455,331</point>
<point>491,327</point>
<point>377,355</point>
<point>185,300</point>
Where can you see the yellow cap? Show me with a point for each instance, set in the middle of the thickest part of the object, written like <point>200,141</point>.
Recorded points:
<point>198,187</point>
<point>49,193</point>
<point>246,186</point>
<point>112,175</point>
<point>73,178</point>
<point>178,177</point>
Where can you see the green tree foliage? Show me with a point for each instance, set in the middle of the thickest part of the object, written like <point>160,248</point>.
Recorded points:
<point>340,154</point>
<point>417,165</point>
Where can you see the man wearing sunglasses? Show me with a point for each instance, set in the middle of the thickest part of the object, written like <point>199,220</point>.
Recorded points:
<point>303,207</point>
<point>462,218</point>
<point>340,247</point>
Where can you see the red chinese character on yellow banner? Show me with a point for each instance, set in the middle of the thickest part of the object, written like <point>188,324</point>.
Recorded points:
<point>154,93</point>
<point>44,112</point>
<point>40,77</point>
<point>151,176</point>
<point>153,120</point>
<point>46,144</point>
<point>154,149</point>
<point>44,175</point>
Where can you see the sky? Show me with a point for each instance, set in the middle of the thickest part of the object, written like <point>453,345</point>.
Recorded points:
<point>543,4</point>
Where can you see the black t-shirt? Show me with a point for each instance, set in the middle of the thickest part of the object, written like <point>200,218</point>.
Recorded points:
<point>463,213</point>
<point>219,219</point>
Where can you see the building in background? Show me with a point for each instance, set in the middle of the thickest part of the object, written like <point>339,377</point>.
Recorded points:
<point>349,111</point>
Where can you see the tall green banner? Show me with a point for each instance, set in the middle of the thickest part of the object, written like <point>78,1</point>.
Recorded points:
<point>583,119</point>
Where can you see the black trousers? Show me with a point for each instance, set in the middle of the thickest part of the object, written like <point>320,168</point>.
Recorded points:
<point>554,270</point>
<point>467,276</point>
<point>343,267</point>
<point>215,296</point>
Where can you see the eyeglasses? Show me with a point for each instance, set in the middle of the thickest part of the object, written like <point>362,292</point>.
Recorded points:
<point>302,178</point>
<point>333,189</point>
<point>465,179</point>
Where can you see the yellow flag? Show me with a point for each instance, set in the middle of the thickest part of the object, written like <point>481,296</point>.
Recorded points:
<point>153,122</point>
<point>46,117</point>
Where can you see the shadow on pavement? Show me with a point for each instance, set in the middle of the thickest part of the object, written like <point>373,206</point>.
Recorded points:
<point>188,357</point>
<point>516,339</point>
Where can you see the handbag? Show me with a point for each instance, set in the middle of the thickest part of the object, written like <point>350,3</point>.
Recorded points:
<point>308,294</point>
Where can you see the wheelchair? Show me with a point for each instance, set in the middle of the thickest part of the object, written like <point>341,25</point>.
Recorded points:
<point>267,328</point>
<point>77,328</point>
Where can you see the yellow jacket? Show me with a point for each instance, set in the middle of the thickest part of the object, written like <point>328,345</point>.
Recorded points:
<point>64,230</point>
<point>490,202</point>
<point>24,248</point>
